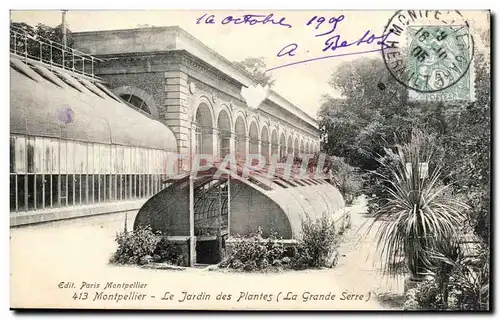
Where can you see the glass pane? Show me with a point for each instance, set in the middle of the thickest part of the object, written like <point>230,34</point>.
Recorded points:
<point>31,155</point>
<point>102,188</point>
<point>48,189</point>
<point>133,182</point>
<point>96,188</point>
<point>84,188</point>
<point>12,191</point>
<point>21,192</point>
<point>39,191</point>
<point>12,154</point>
<point>71,157</point>
<point>39,155</point>
<point>124,187</point>
<point>20,157</point>
<point>77,189</point>
<point>71,184</point>
<point>55,159</point>
<point>55,187</point>
<point>31,192</point>
<point>111,186</point>
<point>64,192</point>
<point>47,166</point>
<point>63,156</point>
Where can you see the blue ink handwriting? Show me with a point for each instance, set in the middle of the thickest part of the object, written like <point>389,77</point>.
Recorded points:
<point>334,42</point>
<point>320,20</point>
<point>250,19</point>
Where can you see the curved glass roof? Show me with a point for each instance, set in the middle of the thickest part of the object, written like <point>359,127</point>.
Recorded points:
<point>54,103</point>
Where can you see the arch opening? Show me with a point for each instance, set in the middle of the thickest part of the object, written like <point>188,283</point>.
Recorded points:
<point>282,146</point>
<point>274,144</point>
<point>136,102</point>
<point>224,126</point>
<point>204,140</point>
<point>240,139</point>
<point>254,139</point>
<point>264,143</point>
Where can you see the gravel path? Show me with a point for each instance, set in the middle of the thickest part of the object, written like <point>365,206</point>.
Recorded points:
<point>77,251</point>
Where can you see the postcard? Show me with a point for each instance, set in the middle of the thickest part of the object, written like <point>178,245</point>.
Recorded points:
<point>250,160</point>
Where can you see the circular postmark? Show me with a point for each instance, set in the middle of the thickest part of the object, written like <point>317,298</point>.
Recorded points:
<point>427,50</point>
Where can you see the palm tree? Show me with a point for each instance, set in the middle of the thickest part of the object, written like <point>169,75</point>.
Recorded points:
<point>418,212</point>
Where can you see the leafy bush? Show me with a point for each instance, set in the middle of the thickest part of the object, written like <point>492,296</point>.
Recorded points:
<point>425,296</point>
<point>346,178</point>
<point>168,252</point>
<point>136,247</point>
<point>317,246</point>
<point>254,253</point>
<point>418,212</point>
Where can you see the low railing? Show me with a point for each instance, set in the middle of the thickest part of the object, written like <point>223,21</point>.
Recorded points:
<point>33,46</point>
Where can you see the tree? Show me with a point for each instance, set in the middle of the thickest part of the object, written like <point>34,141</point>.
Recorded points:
<point>32,47</point>
<point>373,106</point>
<point>257,69</point>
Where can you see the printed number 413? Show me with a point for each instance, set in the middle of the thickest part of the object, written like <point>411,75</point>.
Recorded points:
<point>81,296</point>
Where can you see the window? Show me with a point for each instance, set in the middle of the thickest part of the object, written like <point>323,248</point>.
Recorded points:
<point>136,102</point>
<point>50,173</point>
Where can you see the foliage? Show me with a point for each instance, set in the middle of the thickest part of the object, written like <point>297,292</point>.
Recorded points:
<point>318,244</point>
<point>134,246</point>
<point>362,124</point>
<point>317,248</point>
<point>418,212</point>
<point>254,253</point>
<point>347,179</point>
<point>372,107</point>
<point>425,296</point>
<point>168,252</point>
<point>257,69</point>
<point>32,48</point>
<point>463,274</point>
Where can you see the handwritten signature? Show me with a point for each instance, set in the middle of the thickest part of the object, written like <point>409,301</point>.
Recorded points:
<point>250,19</point>
<point>332,43</point>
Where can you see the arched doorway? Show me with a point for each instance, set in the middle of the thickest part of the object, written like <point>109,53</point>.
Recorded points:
<point>282,146</point>
<point>264,143</point>
<point>302,147</point>
<point>253,134</point>
<point>224,126</point>
<point>240,138</point>
<point>308,150</point>
<point>204,140</point>
<point>296,146</point>
<point>274,144</point>
<point>290,145</point>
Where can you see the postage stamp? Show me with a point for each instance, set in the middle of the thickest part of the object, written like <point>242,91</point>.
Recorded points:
<point>430,52</point>
<point>248,160</point>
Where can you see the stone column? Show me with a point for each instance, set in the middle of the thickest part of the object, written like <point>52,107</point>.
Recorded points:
<point>175,111</point>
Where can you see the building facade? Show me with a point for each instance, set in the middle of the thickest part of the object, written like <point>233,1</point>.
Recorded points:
<point>97,129</point>
<point>197,93</point>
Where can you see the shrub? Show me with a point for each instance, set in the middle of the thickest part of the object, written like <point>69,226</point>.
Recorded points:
<point>168,252</point>
<point>346,178</point>
<point>317,246</point>
<point>136,247</point>
<point>254,253</point>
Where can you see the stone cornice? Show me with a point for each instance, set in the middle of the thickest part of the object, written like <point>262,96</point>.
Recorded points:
<point>172,38</point>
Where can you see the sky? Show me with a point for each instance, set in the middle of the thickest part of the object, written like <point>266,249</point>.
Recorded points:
<point>302,84</point>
